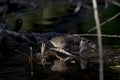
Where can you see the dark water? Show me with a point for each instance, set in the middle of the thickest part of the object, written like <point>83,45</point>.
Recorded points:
<point>15,66</point>
<point>22,72</point>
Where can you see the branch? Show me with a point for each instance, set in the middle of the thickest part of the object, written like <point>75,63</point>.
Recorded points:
<point>116,3</point>
<point>115,36</point>
<point>31,60</point>
<point>110,19</point>
<point>96,16</point>
<point>106,3</point>
<point>111,2</point>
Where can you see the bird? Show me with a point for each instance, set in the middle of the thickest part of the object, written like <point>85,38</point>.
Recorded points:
<point>59,41</point>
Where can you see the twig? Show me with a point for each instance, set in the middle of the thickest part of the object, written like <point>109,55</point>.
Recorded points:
<point>117,36</point>
<point>96,16</point>
<point>110,19</point>
<point>31,59</point>
<point>78,7</point>
<point>116,3</point>
<point>42,48</point>
<point>106,3</point>
<point>111,2</point>
<point>43,60</point>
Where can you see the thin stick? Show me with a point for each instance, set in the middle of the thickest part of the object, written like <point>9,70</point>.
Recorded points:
<point>116,3</point>
<point>43,60</point>
<point>96,16</point>
<point>42,49</point>
<point>106,3</point>
<point>110,19</point>
<point>115,36</point>
<point>31,60</point>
